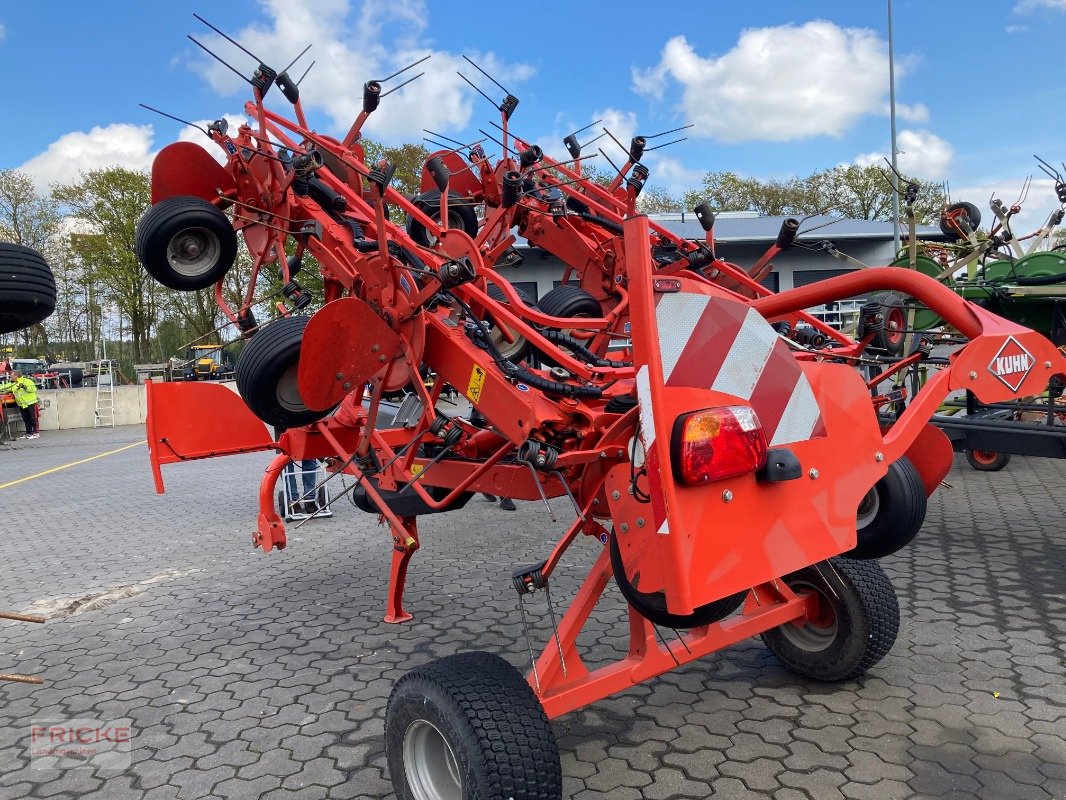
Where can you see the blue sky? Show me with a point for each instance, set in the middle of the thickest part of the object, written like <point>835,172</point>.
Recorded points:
<point>775,88</point>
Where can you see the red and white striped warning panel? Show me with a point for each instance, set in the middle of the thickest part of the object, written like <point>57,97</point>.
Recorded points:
<point>707,343</point>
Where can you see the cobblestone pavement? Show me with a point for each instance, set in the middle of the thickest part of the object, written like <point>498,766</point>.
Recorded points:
<point>255,675</point>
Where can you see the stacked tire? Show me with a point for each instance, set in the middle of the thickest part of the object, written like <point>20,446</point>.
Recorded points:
<point>27,288</point>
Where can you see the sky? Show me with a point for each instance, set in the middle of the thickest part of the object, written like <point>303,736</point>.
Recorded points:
<point>773,89</point>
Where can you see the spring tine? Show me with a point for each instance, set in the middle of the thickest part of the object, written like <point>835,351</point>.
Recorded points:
<point>681,639</point>
<point>555,627</point>
<point>536,480</point>
<point>566,488</point>
<point>529,642</point>
<point>659,633</point>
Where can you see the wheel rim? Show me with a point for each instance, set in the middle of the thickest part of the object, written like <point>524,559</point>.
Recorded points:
<point>985,456</point>
<point>455,222</point>
<point>868,509</point>
<point>429,763</point>
<point>288,391</point>
<point>818,633</point>
<point>193,252</point>
<point>894,325</point>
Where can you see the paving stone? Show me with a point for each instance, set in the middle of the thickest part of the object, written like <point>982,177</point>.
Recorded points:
<point>250,675</point>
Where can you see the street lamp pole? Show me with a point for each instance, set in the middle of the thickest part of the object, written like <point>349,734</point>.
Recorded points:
<point>892,115</point>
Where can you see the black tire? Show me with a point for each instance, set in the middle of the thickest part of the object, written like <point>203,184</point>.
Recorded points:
<point>266,375</point>
<point>27,288</point>
<point>570,301</point>
<point>186,243</point>
<point>473,722</point>
<point>892,512</point>
<point>892,338</point>
<point>461,214</point>
<point>652,605</point>
<point>517,350</point>
<point>855,629</point>
<point>987,460</point>
<point>947,227</point>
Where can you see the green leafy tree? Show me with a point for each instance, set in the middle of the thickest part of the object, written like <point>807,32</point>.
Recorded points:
<point>409,159</point>
<point>107,203</point>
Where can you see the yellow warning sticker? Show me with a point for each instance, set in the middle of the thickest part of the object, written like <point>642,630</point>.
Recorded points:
<point>416,469</point>
<point>477,382</point>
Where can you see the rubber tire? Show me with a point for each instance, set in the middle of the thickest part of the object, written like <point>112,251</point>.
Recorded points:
<point>519,350</point>
<point>652,605</point>
<point>273,350</point>
<point>987,465</point>
<point>867,618</point>
<point>429,203</point>
<point>166,220</point>
<point>570,301</point>
<point>972,212</point>
<point>893,303</point>
<point>486,711</point>
<point>27,288</point>
<point>902,505</point>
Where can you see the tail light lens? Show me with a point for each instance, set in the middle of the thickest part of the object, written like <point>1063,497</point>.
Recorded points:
<point>717,443</point>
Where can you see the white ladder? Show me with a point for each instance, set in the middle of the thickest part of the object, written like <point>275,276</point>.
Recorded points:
<point>105,397</point>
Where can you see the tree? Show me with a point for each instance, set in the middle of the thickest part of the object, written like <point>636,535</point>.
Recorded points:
<point>107,203</point>
<point>408,158</point>
<point>657,200</point>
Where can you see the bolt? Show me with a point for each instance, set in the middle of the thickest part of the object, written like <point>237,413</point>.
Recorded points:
<point>340,376</point>
<point>615,495</point>
<point>631,488</point>
<point>727,496</point>
<point>596,501</point>
<point>1047,364</point>
<point>382,359</point>
<point>973,376</point>
<point>603,456</point>
<point>625,527</point>
<point>375,348</point>
<point>879,456</point>
<point>814,474</point>
<point>347,386</point>
<point>640,522</point>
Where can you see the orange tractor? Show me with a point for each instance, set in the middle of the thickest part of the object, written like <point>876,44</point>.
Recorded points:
<point>716,465</point>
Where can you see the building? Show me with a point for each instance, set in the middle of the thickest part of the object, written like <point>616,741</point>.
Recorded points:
<point>742,238</point>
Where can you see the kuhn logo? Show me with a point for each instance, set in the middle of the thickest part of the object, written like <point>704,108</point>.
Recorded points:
<point>1012,363</point>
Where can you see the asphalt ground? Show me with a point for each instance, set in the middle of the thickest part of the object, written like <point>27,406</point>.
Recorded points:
<point>245,674</point>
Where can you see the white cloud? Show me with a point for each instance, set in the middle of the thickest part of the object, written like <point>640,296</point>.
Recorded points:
<point>922,155</point>
<point>385,37</point>
<point>1038,204</point>
<point>779,83</point>
<point>1028,6</point>
<point>120,144</point>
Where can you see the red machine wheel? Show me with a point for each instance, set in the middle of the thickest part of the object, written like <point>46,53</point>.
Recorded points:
<point>855,625</point>
<point>186,243</point>
<point>892,512</point>
<point>652,605</point>
<point>987,460</point>
<point>469,726</point>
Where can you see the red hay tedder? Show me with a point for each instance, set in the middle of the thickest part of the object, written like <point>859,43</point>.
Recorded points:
<point>717,464</point>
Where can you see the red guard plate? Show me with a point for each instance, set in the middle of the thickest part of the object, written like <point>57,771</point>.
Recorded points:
<point>184,168</point>
<point>344,338</point>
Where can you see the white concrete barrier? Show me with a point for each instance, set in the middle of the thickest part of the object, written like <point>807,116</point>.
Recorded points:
<point>76,408</point>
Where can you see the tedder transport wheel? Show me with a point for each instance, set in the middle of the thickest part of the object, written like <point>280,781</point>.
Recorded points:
<point>652,605</point>
<point>854,628</point>
<point>570,302</point>
<point>461,215</point>
<point>892,338</point>
<point>987,460</point>
<point>468,727</point>
<point>186,243</point>
<point>266,375</point>
<point>950,229</point>
<point>27,288</point>
<point>518,349</point>
<point>892,512</point>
